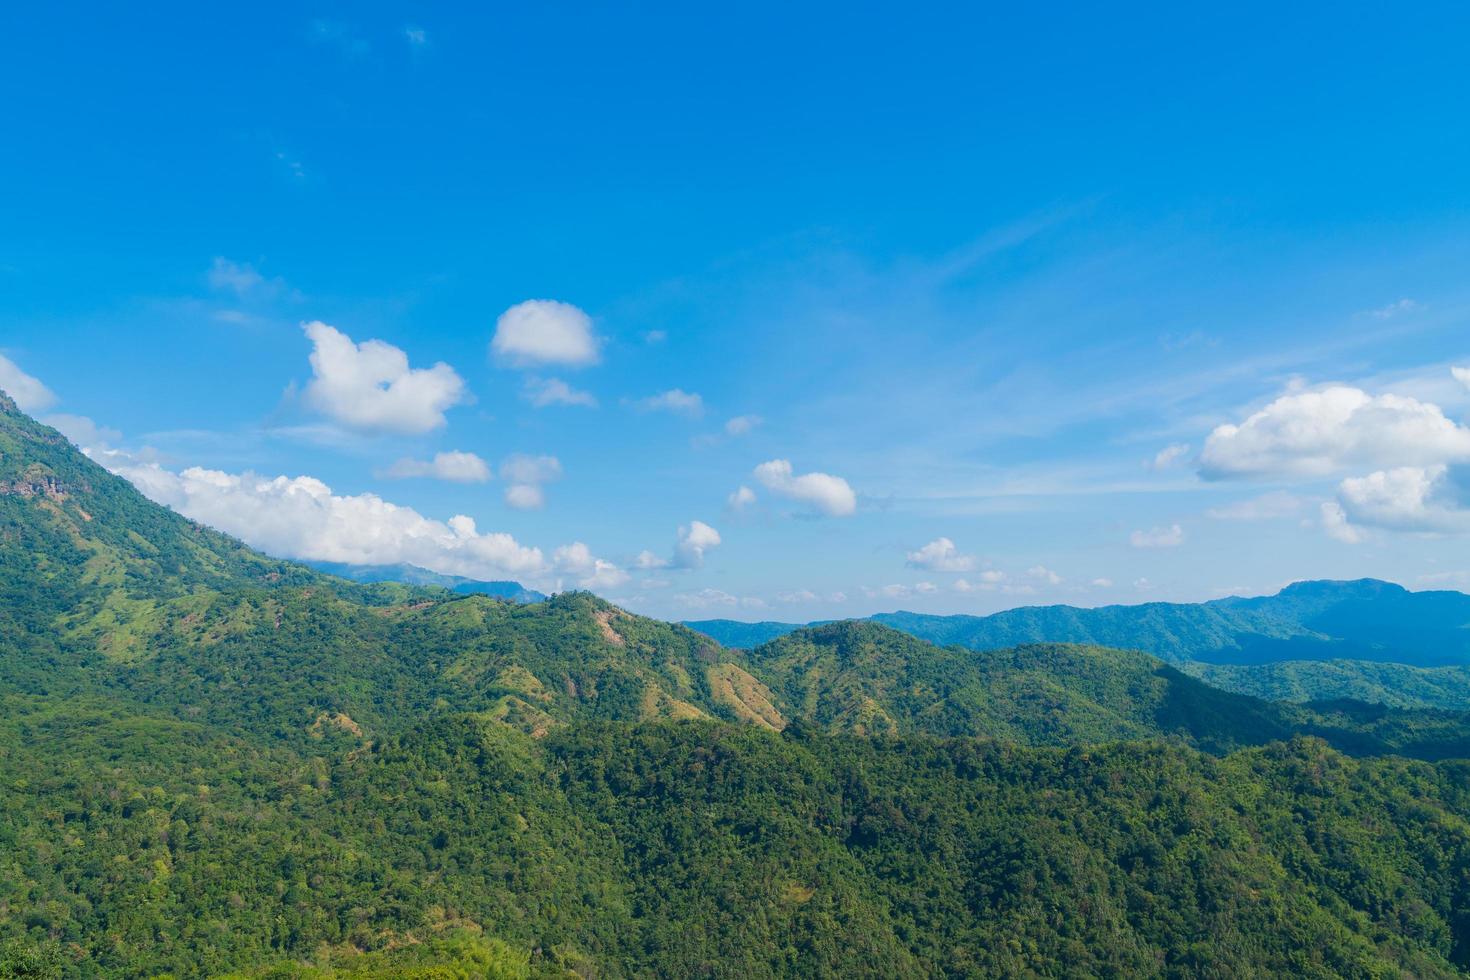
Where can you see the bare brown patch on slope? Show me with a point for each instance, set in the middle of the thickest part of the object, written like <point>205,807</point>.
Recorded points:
<point>747,697</point>
<point>604,622</point>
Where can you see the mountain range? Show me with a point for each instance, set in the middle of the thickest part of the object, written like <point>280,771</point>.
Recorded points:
<point>1366,640</point>
<point>414,575</point>
<point>221,763</point>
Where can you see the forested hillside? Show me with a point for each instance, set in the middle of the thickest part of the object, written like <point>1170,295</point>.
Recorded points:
<point>217,763</point>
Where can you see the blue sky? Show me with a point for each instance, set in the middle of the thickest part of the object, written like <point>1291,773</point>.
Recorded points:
<point>982,307</point>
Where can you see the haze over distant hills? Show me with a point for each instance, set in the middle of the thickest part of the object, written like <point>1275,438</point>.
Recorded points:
<point>1366,639</point>
<point>1358,620</point>
<point>414,575</point>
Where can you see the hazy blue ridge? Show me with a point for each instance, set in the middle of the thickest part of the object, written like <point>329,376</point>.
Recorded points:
<point>414,575</point>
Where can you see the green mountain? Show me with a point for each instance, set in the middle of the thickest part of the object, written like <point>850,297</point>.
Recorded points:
<point>865,678</point>
<point>1394,685</point>
<point>1365,640</point>
<point>215,763</point>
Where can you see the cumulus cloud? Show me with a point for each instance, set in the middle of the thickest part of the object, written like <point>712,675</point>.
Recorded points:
<point>1169,456</point>
<point>542,392</point>
<point>525,476</point>
<point>1316,433</point>
<point>742,425</point>
<point>1409,498</point>
<point>1044,575</point>
<point>371,386</point>
<point>544,331</point>
<point>300,517</point>
<point>1462,375</point>
<point>29,393</point>
<point>742,498</point>
<point>825,493</point>
<point>455,467</point>
<point>675,400</point>
<point>941,555</point>
<point>1266,507</point>
<point>1335,523</point>
<point>591,572</point>
<point>82,430</point>
<point>988,581</point>
<point>797,596</point>
<point>648,561</point>
<point>695,538</point>
<point>1158,537</point>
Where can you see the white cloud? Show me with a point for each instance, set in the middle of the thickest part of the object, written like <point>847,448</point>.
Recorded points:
<point>716,598</point>
<point>1169,456</point>
<point>455,466</point>
<point>1335,523</point>
<point>82,430</point>
<point>1409,498</point>
<point>1103,583</point>
<point>655,336</point>
<point>300,517</point>
<point>1044,575</point>
<point>1315,433</point>
<point>675,400</point>
<point>1158,537</point>
<point>926,588</point>
<point>417,37</point>
<point>543,331</point>
<point>525,496</point>
<point>1462,375</point>
<point>553,391</point>
<point>236,277</point>
<point>742,424</point>
<point>742,498</point>
<point>941,555</point>
<point>989,580</point>
<point>1266,507</point>
<point>371,386</point>
<point>695,538</point>
<point>798,596</point>
<point>525,476</point>
<point>242,279</point>
<point>1394,309</point>
<point>591,572</point>
<point>827,494</point>
<point>647,560</point>
<point>29,393</point>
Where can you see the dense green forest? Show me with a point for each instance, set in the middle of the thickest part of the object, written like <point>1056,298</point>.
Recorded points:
<point>216,763</point>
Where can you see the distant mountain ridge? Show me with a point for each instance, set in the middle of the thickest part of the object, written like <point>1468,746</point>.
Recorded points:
<point>415,575</point>
<point>1365,620</point>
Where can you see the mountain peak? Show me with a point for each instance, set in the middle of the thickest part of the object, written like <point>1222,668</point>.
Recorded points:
<point>1355,588</point>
